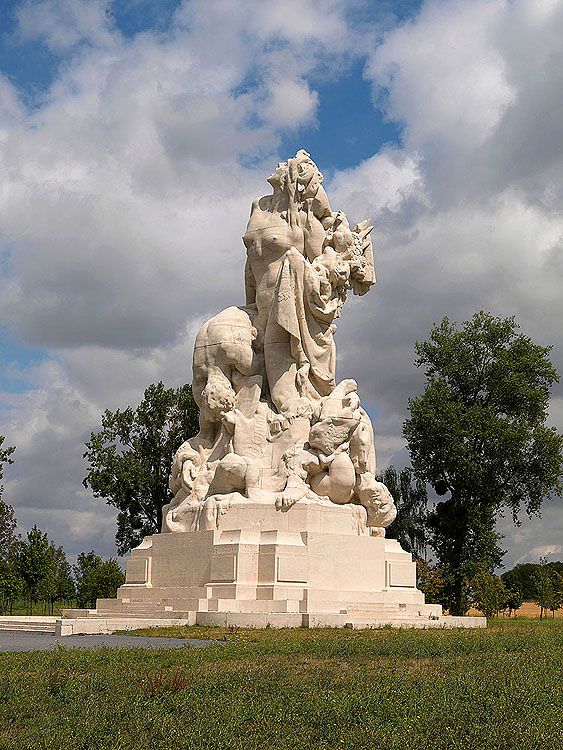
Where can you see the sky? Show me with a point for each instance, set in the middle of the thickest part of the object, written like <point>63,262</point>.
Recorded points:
<point>133,137</point>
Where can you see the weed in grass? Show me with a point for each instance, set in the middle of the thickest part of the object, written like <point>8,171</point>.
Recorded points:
<point>155,684</point>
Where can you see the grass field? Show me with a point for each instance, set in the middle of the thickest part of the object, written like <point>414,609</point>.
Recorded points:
<point>499,688</point>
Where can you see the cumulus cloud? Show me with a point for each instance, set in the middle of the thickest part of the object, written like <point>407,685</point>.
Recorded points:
<point>468,211</point>
<point>445,77</point>
<point>126,190</point>
<point>484,78</point>
<point>117,188</point>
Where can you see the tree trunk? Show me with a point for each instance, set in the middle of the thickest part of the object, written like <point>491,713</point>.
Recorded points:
<point>458,520</point>
<point>458,603</point>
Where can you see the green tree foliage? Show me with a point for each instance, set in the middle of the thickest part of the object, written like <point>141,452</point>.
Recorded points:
<point>430,580</point>
<point>58,585</point>
<point>109,577</point>
<point>411,499</point>
<point>130,457</point>
<point>514,600</point>
<point>96,579</point>
<point>34,565</point>
<point>478,432</point>
<point>489,593</point>
<point>522,577</point>
<point>557,598</point>
<point>11,585</point>
<point>7,519</point>
<point>84,571</point>
<point>8,525</point>
<point>5,454</point>
<point>548,585</point>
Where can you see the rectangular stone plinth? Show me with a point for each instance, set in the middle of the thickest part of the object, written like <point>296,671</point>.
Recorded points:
<point>299,576</point>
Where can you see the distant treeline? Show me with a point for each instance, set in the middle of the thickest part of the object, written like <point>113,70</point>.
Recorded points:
<point>524,577</point>
<point>35,575</point>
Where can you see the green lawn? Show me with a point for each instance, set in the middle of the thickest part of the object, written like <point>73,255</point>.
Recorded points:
<point>499,688</point>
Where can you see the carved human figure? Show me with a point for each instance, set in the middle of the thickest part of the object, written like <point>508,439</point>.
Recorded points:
<point>297,285</point>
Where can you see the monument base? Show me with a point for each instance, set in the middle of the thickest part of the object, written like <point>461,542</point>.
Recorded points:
<point>313,566</point>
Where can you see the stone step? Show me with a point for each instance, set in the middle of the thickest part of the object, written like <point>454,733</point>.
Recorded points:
<point>140,610</point>
<point>29,625</point>
<point>143,615</point>
<point>415,609</point>
<point>115,605</point>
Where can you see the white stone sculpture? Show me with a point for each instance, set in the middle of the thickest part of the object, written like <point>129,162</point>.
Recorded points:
<point>282,516</point>
<point>275,426</point>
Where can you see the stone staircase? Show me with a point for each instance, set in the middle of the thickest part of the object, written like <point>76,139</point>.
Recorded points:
<point>29,624</point>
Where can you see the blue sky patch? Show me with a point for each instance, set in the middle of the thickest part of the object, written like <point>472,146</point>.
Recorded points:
<point>350,129</point>
<point>15,359</point>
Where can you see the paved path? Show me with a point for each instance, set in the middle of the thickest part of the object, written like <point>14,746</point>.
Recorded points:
<point>22,641</point>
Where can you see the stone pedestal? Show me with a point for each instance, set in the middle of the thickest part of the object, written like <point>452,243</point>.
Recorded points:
<point>313,565</point>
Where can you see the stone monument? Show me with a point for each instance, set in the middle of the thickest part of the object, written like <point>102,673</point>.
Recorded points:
<point>277,516</point>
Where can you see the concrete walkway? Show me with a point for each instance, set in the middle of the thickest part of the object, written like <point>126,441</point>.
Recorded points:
<point>28,641</point>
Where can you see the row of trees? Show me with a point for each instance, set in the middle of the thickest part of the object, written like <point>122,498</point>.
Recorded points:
<point>35,570</point>
<point>491,594</point>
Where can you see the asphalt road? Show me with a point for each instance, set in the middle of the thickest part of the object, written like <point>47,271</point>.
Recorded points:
<point>11,640</point>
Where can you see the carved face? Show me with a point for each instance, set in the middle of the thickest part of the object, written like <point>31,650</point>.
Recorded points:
<point>218,397</point>
<point>278,178</point>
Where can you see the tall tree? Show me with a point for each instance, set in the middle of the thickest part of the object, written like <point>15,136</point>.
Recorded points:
<point>489,593</point>
<point>548,588</point>
<point>430,580</point>
<point>11,584</point>
<point>58,584</point>
<point>107,579</point>
<point>86,565</point>
<point>411,499</point>
<point>514,600</point>
<point>478,432</point>
<point>5,454</point>
<point>522,577</point>
<point>34,564</point>
<point>130,457</point>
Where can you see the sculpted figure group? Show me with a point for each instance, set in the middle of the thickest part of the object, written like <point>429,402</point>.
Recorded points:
<point>275,427</point>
